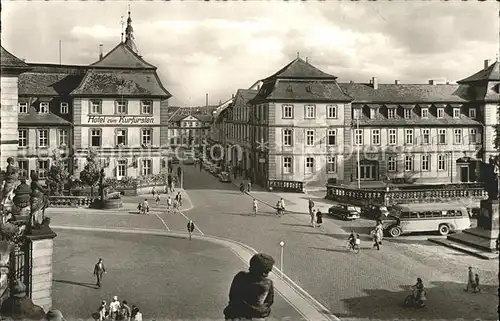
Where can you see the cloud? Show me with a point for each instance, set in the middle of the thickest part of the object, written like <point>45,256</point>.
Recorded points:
<point>218,47</point>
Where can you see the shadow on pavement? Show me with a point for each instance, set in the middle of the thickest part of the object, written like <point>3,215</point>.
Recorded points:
<point>301,225</point>
<point>265,214</point>
<point>338,249</point>
<point>445,300</point>
<point>84,284</point>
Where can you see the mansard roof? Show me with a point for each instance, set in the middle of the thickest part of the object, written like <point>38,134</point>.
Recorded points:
<point>122,56</point>
<point>10,62</point>
<point>50,80</point>
<point>492,73</point>
<point>243,96</point>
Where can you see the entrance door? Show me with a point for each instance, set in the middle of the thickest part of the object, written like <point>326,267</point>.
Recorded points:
<point>464,173</point>
<point>367,172</point>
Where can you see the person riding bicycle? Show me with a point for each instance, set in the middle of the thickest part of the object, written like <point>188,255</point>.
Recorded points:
<point>143,207</point>
<point>419,290</point>
<point>353,239</point>
<point>280,206</point>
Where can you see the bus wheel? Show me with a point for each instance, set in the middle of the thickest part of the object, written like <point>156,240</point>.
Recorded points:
<point>444,229</point>
<point>395,231</point>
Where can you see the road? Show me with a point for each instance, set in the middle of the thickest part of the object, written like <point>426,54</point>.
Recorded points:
<point>371,284</point>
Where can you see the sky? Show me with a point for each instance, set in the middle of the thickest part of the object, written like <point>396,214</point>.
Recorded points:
<point>220,47</point>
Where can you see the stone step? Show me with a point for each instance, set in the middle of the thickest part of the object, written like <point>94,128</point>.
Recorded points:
<point>485,244</point>
<point>482,254</point>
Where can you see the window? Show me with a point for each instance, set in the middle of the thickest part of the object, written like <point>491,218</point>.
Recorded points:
<point>43,138</point>
<point>121,107</point>
<point>23,138</point>
<point>64,107</point>
<point>23,108</point>
<point>457,134</point>
<point>456,112</point>
<point>426,136</point>
<point>331,111</point>
<point>147,167</point>
<point>23,168</point>
<point>358,137</point>
<point>473,136</point>
<point>310,111</point>
<point>392,137</point>
<point>309,165</point>
<point>472,113</point>
<point>95,138</point>
<point>425,163</point>
<point>44,108</point>
<point>440,112</point>
<point>121,168</point>
<point>95,107</point>
<point>441,162</point>
<point>442,136</point>
<point>309,137</point>
<point>391,113</point>
<point>287,137</point>
<point>288,111</point>
<point>373,113</point>
<point>392,163</point>
<point>424,113</point>
<point>409,136</point>
<point>287,165</point>
<point>408,163</point>
<point>63,137</point>
<point>147,136</point>
<point>375,136</point>
<point>331,165</point>
<point>332,137</point>
<point>356,113</point>
<point>146,107</point>
<point>407,113</point>
<point>42,168</point>
<point>121,137</point>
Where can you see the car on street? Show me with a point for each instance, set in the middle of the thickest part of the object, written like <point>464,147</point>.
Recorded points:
<point>345,212</point>
<point>375,212</point>
<point>224,177</point>
<point>214,169</point>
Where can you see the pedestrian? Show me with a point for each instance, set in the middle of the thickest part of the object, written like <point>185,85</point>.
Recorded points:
<point>252,286</point>
<point>476,284</point>
<point>310,206</point>
<point>169,203</point>
<point>255,207</point>
<point>313,218</point>
<point>470,280</point>
<point>153,191</point>
<point>143,207</point>
<point>157,199</point>
<point>249,186</point>
<point>99,270</point>
<point>319,218</point>
<point>169,182</point>
<point>114,307</point>
<point>125,311</point>
<point>280,207</point>
<point>172,185</point>
<point>190,228</point>
<point>179,171</point>
<point>179,198</point>
<point>137,314</point>
<point>102,313</point>
<point>54,315</point>
<point>378,233</point>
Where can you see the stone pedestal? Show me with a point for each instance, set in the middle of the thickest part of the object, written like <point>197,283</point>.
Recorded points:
<point>41,249</point>
<point>485,235</point>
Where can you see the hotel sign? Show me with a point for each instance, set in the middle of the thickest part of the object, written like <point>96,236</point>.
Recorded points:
<point>121,120</point>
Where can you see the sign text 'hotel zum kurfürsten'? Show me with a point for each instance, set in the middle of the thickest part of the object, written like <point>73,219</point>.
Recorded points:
<point>121,120</point>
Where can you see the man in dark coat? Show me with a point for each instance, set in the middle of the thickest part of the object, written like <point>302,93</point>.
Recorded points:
<point>19,307</point>
<point>252,293</point>
<point>99,270</point>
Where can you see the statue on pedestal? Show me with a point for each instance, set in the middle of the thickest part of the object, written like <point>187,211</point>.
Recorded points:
<point>21,198</point>
<point>101,185</point>
<point>38,202</point>
<point>490,172</point>
<point>10,179</point>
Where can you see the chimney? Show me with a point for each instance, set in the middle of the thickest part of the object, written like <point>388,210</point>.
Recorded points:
<point>232,95</point>
<point>351,81</point>
<point>100,51</point>
<point>374,82</point>
<point>432,82</point>
<point>486,63</point>
<point>447,82</point>
<point>258,87</point>
<point>396,82</point>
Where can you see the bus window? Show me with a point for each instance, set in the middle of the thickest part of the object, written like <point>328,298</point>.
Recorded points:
<point>436,214</point>
<point>404,215</point>
<point>444,213</point>
<point>413,215</point>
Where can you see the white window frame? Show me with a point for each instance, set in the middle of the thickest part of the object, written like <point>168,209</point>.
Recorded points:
<point>424,112</point>
<point>409,136</point>
<point>44,108</point>
<point>331,164</point>
<point>310,137</point>
<point>442,133</point>
<point>392,163</point>
<point>426,136</point>
<point>457,136</point>
<point>44,140</point>
<point>146,170</point>
<point>146,107</point>
<point>425,163</point>
<point>23,107</point>
<point>358,137</point>
<point>456,112</point>
<point>309,169</point>
<point>441,163</point>
<point>472,113</point>
<point>392,133</point>
<point>373,113</point>
<point>93,131</point>
<point>287,165</point>
<point>63,137</point>
<point>331,133</point>
<point>310,111</point>
<point>64,107</point>
<point>409,163</point>
<point>23,138</point>
<point>287,111</point>
<point>473,136</point>
<point>123,131</point>
<point>145,132</point>
<point>391,113</point>
<point>121,107</point>
<point>406,113</point>
<point>287,137</point>
<point>440,112</point>
<point>42,174</point>
<point>22,170</point>
<point>95,106</point>
<point>331,111</point>
<point>121,164</point>
<point>375,136</point>
<point>356,113</point>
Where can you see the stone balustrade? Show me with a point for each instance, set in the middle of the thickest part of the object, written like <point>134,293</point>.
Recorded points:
<point>71,201</point>
<point>288,186</point>
<point>390,197</point>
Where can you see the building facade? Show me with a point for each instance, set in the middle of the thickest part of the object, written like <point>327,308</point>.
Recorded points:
<point>307,128</point>
<point>189,130</point>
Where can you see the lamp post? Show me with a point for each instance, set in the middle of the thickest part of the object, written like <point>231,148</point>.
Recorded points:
<point>355,128</point>
<point>282,244</point>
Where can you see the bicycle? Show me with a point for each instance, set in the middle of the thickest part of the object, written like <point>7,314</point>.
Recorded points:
<point>352,247</point>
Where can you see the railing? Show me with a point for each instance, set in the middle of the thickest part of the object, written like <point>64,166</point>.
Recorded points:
<point>367,196</point>
<point>70,201</point>
<point>292,186</point>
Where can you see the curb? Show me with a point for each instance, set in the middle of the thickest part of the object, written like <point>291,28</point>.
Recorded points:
<point>463,249</point>
<point>314,311</point>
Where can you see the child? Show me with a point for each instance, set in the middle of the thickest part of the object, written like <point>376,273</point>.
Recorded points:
<point>255,207</point>
<point>319,218</point>
<point>157,199</point>
<point>169,203</point>
<point>476,284</point>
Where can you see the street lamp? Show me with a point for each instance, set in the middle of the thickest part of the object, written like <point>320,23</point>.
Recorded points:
<point>355,128</point>
<point>282,244</point>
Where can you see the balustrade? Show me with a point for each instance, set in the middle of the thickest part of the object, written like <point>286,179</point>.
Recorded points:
<point>70,201</point>
<point>286,185</point>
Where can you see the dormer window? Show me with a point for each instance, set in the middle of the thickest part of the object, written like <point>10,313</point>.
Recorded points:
<point>356,113</point>
<point>23,108</point>
<point>407,113</point>
<point>472,113</point>
<point>391,113</point>
<point>440,113</point>
<point>44,108</point>
<point>424,113</point>
<point>456,112</point>
<point>64,108</point>
<point>373,113</point>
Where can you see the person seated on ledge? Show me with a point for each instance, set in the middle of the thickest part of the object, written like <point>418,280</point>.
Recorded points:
<point>19,307</point>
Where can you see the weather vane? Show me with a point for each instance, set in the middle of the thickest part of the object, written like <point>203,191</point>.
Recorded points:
<point>122,23</point>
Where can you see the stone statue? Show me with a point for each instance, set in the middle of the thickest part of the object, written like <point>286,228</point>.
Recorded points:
<point>101,185</point>
<point>21,198</point>
<point>489,173</point>
<point>10,180</point>
<point>38,202</point>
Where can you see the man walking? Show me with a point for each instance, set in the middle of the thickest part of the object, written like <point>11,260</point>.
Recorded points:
<point>99,270</point>
<point>470,280</point>
<point>311,206</point>
<point>313,218</point>
<point>178,198</point>
<point>249,186</point>
<point>190,228</point>
<point>169,182</point>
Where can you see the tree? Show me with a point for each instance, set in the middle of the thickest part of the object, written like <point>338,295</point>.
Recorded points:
<point>92,171</point>
<point>57,175</point>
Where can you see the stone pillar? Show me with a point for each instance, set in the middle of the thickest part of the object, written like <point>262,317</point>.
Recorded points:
<point>9,134</point>
<point>41,249</point>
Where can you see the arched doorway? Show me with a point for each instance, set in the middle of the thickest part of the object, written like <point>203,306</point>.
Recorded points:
<point>466,169</point>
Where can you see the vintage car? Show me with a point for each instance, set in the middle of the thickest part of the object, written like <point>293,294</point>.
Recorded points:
<point>375,212</point>
<point>345,212</point>
<point>224,177</point>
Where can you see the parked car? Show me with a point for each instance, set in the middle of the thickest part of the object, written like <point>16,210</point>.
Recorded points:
<point>346,212</point>
<point>224,177</point>
<point>214,169</point>
<point>375,212</point>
